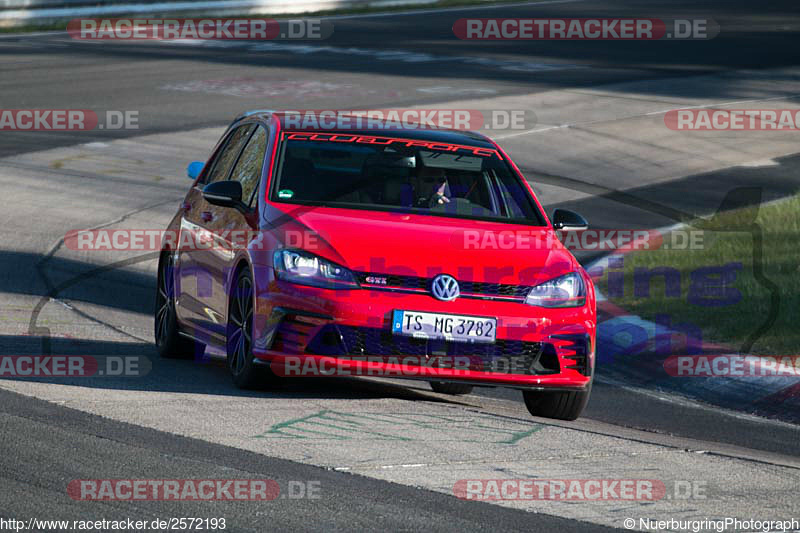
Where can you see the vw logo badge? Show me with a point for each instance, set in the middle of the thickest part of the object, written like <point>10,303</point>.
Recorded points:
<point>445,287</point>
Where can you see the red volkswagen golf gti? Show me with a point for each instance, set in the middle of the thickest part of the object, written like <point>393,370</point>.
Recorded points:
<point>389,251</point>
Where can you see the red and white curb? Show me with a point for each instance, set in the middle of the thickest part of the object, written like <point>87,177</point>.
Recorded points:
<point>628,347</point>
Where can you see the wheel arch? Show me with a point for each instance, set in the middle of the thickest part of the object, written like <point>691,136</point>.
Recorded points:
<point>241,263</point>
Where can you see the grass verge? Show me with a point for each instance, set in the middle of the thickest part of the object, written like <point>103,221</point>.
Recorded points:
<point>717,288</point>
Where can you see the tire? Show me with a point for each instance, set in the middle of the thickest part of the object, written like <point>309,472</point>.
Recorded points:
<point>169,342</point>
<point>245,372</point>
<point>456,389</point>
<point>561,405</point>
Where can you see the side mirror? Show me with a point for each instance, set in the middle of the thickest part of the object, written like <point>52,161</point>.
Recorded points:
<point>565,220</point>
<point>194,169</point>
<point>225,194</point>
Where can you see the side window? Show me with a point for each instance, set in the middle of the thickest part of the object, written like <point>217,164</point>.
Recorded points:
<point>227,156</point>
<point>248,167</point>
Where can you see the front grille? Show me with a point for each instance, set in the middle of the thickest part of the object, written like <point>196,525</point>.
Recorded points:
<point>420,283</point>
<point>506,356</point>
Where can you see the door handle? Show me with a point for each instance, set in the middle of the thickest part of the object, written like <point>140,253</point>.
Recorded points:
<point>207,216</point>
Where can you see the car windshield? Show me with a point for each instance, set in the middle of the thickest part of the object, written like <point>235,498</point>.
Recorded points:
<point>391,173</point>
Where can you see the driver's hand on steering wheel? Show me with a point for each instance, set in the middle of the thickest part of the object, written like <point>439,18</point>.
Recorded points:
<point>438,196</point>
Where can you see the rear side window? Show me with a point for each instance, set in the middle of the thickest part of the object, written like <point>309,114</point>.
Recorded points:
<point>221,167</point>
<point>248,168</point>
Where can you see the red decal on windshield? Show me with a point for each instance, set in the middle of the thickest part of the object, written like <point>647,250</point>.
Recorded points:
<point>372,139</point>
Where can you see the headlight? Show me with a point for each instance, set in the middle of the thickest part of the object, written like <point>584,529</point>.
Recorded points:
<point>308,269</point>
<point>563,291</point>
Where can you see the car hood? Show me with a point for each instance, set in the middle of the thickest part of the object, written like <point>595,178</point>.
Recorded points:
<point>422,245</point>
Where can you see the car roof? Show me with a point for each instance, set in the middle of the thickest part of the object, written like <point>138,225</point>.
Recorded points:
<point>391,129</point>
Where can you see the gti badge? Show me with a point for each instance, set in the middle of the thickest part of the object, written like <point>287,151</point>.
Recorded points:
<point>445,287</point>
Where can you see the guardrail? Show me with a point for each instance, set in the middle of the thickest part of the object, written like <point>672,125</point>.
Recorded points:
<point>15,13</point>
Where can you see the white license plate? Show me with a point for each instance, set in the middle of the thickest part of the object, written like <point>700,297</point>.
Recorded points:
<point>440,326</point>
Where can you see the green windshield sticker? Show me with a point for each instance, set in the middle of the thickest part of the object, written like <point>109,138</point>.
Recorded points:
<point>285,193</point>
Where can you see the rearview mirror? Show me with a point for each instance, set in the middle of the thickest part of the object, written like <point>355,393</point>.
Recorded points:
<point>565,220</point>
<point>194,169</point>
<point>225,194</point>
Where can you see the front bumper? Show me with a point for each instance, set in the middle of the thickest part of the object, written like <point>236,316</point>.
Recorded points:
<point>309,331</point>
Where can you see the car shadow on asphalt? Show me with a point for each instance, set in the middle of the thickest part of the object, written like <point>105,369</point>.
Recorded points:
<point>133,366</point>
<point>81,281</point>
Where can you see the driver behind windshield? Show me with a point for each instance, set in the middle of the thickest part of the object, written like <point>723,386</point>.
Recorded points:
<point>432,187</point>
